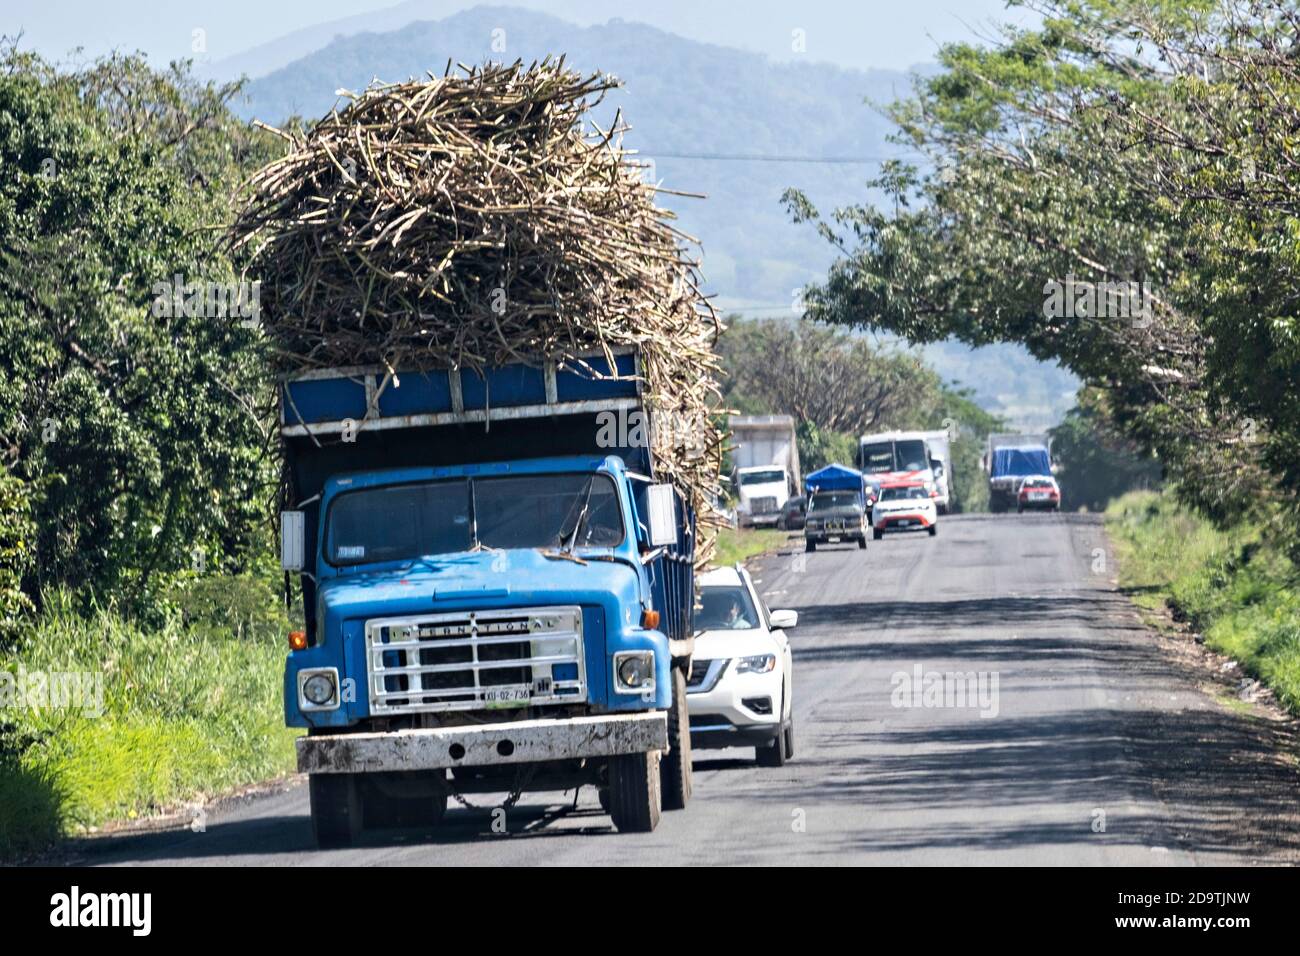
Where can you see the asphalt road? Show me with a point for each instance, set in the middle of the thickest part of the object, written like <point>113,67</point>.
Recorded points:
<point>1100,747</point>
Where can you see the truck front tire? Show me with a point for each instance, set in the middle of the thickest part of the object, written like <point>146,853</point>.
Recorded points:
<point>675,767</point>
<point>335,809</point>
<point>810,545</point>
<point>635,798</point>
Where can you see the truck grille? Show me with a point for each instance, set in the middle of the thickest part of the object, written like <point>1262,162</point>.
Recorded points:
<point>764,506</point>
<point>472,660</point>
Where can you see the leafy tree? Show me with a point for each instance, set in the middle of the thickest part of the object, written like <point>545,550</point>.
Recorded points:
<point>839,386</point>
<point>1097,463</point>
<point>1118,142</point>
<point>823,375</point>
<point>141,439</point>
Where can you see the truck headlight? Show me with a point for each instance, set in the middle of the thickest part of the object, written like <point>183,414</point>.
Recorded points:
<point>634,672</point>
<point>318,689</point>
<point>761,664</point>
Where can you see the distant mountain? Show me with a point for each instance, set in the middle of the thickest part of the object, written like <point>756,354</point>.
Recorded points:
<point>701,112</point>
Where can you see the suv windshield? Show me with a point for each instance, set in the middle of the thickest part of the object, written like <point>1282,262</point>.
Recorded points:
<point>833,499</point>
<point>403,522</point>
<point>725,607</point>
<point>902,494</point>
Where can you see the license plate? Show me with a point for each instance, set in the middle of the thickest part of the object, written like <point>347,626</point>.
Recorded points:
<point>497,698</point>
<point>904,523</point>
<point>1038,495</point>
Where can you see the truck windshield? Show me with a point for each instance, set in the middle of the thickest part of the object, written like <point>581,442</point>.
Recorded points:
<point>403,522</point>
<point>905,455</point>
<point>832,499</point>
<point>761,477</point>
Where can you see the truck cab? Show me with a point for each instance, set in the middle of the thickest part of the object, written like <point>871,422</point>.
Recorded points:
<point>762,491</point>
<point>507,623</point>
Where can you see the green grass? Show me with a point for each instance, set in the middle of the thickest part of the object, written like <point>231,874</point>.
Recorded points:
<point>1231,585</point>
<point>187,711</point>
<point>740,544</point>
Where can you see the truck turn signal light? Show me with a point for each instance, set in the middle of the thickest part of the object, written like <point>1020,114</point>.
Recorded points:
<point>650,619</point>
<point>298,640</point>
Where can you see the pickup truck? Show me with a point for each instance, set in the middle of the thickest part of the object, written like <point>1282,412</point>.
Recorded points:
<point>498,595</point>
<point>838,507</point>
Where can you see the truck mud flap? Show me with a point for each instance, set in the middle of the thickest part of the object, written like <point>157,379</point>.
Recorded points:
<point>524,741</point>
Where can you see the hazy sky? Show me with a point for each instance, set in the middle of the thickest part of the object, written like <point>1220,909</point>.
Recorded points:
<point>858,34</point>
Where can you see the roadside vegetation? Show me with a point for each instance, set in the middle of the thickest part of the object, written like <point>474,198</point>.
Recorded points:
<point>1234,585</point>
<point>109,718</point>
<point>741,544</point>
<point>136,474</point>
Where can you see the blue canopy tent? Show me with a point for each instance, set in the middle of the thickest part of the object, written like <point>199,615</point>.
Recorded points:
<point>834,478</point>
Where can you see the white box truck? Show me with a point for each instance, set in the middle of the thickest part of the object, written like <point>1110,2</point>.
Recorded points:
<point>766,460</point>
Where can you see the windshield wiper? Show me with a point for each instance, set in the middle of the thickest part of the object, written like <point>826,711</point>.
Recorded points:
<point>582,519</point>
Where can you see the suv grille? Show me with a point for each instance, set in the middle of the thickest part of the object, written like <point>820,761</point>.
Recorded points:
<point>473,660</point>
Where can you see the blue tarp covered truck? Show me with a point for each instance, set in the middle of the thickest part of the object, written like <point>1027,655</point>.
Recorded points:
<point>1011,458</point>
<point>498,593</point>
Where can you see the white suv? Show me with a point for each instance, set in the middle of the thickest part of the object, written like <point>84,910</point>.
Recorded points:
<point>739,690</point>
<point>904,506</point>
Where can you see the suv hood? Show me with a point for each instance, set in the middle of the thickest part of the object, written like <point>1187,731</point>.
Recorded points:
<point>750,642</point>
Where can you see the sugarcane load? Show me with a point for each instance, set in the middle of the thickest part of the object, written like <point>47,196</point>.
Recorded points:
<point>497,405</point>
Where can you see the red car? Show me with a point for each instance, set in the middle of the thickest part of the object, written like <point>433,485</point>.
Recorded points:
<point>1039,491</point>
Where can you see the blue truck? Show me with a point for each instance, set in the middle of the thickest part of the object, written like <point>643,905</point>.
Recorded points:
<point>1009,459</point>
<point>498,595</point>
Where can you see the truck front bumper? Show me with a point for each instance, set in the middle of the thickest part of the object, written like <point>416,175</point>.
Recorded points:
<point>524,741</point>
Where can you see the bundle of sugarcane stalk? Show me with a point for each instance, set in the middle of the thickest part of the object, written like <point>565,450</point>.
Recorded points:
<point>472,219</point>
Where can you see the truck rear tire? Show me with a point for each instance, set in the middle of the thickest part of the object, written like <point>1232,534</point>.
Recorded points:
<point>810,545</point>
<point>635,799</point>
<point>675,767</point>
<point>335,809</point>
<point>862,542</point>
<point>933,529</point>
<point>876,534</point>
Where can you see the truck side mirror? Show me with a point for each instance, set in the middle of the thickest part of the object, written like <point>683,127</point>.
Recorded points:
<point>938,471</point>
<point>661,515</point>
<point>293,540</point>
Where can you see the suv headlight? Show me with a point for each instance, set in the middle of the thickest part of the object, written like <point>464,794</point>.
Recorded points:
<point>634,672</point>
<point>761,664</point>
<point>318,689</point>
